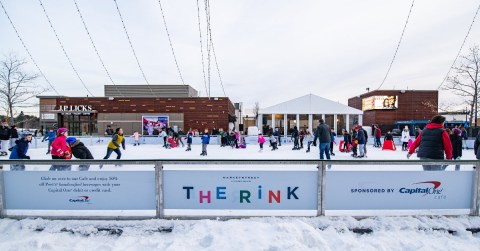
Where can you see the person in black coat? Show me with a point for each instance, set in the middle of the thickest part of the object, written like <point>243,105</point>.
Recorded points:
<point>4,138</point>
<point>80,151</point>
<point>13,136</point>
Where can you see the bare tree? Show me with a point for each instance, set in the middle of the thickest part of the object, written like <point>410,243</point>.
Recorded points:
<point>256,108</point>
<point>16,86</point>
<point>466,82</point>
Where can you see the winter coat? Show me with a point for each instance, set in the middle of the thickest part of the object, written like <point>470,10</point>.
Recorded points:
<point>333,136</point>
<point>405,136</point>
<point>206,139</point>
<point>60,147</point>
<point>272,139</point>
<point>261,139</point>
<point>309,137</point>
<point>475,146</point>
<point>378,132</point>
<point>80,151</point>
<point>295,133</point>
<point>50,136</point>
<point>14,133</point>
<point>361,137</point>
<point>5,133</point>
<point>117,139</point>
<point>20,150</point>
<point>388,136</point>
<point>323,133</point>
<point>433,142</point>
<point>456,145</point>
<point>189,138</point>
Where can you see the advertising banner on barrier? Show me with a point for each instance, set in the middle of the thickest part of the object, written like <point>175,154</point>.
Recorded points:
<point>236,191</point>
<point>399,190</point>
<point>110,190</point>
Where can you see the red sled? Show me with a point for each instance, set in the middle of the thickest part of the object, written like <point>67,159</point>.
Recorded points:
<point>389,145</point>
<point>341,147</point>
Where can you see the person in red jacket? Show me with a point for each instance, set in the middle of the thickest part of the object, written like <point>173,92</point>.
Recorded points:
<point>434,144</point>
<point>60,148</point>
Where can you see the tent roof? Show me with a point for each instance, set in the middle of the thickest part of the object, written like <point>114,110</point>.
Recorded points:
<point>309,104</point>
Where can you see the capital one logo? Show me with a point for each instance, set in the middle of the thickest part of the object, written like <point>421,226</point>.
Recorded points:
<point>80,199</point>
<point>424,187</point>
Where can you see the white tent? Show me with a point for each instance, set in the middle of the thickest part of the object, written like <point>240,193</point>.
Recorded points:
<point>312,106</point>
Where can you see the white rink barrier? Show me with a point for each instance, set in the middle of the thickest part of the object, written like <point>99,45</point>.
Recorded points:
<point>145,189</point>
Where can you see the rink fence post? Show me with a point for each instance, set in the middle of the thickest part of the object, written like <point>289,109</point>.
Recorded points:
<point>159,188</point>
<point>475,211</point>
<point>2,194</point>
<point>321,189</point>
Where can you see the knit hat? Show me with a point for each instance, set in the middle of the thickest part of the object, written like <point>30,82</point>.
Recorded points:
<point>71,140</point>
<point>457,131</point>
<point>356,127</point>
<point>61,130</point>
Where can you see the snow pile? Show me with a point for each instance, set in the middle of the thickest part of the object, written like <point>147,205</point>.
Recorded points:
<point>320,233</point>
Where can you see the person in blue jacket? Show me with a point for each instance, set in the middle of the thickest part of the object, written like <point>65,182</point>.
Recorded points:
<point>189,140</point>
<point>205,142</point>
<point>50,136</point>
<point>20,150</point>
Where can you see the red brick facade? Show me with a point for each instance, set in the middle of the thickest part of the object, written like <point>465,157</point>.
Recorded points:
<point>412,105</point>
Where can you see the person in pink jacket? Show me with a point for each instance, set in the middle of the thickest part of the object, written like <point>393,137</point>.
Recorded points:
<point>60,148</point>
<point>261,140</point>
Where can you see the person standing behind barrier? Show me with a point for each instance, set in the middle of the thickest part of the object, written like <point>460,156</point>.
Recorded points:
<point>163,135</point>
<point>50,136</point>
<point>60,148</point>
<point>323,134</point>
<point>309,139</point>
<point>456,139</point>
<point>261,141</point>
<point>80,151</point>
<point>405,138</point>
<point>4,138</point>
<point>13,136</point>
<point>114,145</point>
<point>276,134</point>
<point>333,137</point>
<point>378,135</point>
<point>20,150</point>
<point>434,144</point>
<point>295,138</point>
<point>205,142</point>
<point>464,138</point>
<point>476,146</point>
<point>362,140</point>
<point>189,140</point>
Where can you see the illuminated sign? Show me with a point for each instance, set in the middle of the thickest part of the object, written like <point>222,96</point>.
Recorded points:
<point>380,103</point>
<point>75,108</point>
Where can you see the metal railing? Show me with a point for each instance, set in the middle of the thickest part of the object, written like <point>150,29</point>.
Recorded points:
<point>158,165</point>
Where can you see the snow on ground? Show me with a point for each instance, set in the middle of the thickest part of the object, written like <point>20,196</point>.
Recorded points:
<point>320,233</point>
<point>270,233</point>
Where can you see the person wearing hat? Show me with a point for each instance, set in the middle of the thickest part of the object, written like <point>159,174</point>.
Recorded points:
<point>60,148</point>
<point>114,145</point>
<point>20,150</point>
<point>80,151</point>
<point>433,143</point>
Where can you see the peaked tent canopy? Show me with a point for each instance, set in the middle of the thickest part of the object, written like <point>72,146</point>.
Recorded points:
<point>310,104</point>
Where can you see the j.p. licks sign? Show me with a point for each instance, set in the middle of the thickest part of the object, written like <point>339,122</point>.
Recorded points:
<point>75,108</point>
<point>238,190</point>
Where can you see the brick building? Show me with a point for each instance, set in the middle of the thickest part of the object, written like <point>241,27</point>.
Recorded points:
<point>385,107</point>
<point>92,115</point>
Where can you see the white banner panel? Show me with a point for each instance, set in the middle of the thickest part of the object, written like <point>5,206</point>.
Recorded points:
<point>112,191</point>
<point>242,191</point>
<point>398,190</point>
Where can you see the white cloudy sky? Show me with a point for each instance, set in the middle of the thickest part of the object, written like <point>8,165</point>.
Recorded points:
<point>268,51</point>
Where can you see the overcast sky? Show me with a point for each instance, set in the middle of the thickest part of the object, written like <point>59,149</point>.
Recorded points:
<point>268,51</point>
